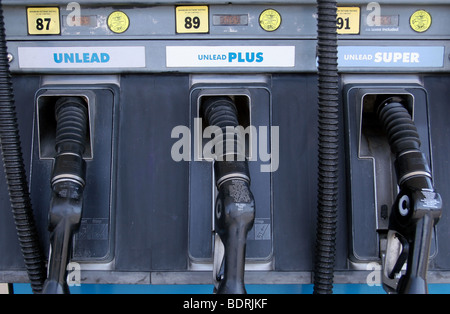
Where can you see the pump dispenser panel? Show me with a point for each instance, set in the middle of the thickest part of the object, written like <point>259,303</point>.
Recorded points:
<point>93,242</point>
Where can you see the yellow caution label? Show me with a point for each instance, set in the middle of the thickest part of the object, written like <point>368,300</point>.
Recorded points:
<point>270,20</point>
<point>118,22</point>
<point>348,20</point>
<point>192,19</point>
<point>420,21</point>
<point>43,21</point>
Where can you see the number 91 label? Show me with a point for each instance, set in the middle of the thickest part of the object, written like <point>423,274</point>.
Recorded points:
<point>348,20</point>
<point>192,19</point>
<point>43,21</point>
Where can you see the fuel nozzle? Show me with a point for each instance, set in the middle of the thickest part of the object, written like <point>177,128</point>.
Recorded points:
<point>417,208</point>
<point>235,205</point>
<point>67,182</point>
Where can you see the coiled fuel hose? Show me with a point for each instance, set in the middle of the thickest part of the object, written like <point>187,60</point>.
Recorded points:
<point>328,147</point>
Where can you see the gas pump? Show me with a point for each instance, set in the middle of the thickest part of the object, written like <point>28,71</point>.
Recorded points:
<point>225,143</point>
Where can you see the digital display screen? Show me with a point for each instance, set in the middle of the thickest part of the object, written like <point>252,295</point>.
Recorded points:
<point>385,20</point>
<point>389,20</point>
<point>230,19</point>
<point>84,20</point>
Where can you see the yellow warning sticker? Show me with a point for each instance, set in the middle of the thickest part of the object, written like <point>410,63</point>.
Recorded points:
<point>43,21</point>
<point>192,19</point>
<point>420,21</point>
<point>348,20</point>
<point>270,20</point>
<point>118,22</point>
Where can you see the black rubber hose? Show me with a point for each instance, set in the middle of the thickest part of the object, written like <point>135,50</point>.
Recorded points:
<point>222,112</point>
<point>72,116</point>
<point>15,173</point>
<point>71,130</point>
<point>401,131</point>
<point>328,147</point>
<point>410,162</point>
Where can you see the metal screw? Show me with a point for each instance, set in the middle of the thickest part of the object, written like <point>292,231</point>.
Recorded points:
<point>10,57</point>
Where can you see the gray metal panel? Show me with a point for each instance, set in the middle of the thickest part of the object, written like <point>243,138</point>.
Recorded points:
<point>298,21</point>
<point>438,29</point>
<point>438,88</point>
<point>152,189</point>
<point>153,27</point>
<point>158,22</point>
<point>305,59</point>
<point>156,56</point>
<point>148,2</point>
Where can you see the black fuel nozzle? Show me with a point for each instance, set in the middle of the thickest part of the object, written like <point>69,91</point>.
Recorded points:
<point>67,182</point>
<point>234,217</point>
<point>235,204</point>
<point>417,208</point>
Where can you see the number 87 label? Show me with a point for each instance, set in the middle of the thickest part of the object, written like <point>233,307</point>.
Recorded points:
<point>192,19</point>
<point>43,21</point>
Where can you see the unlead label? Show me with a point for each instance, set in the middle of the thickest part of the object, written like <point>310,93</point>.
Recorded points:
<point>393,57</point>
<point>230,56</point>
<point>81,57</point>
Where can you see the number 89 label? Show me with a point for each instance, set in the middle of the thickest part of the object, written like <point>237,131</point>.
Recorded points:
<point>43,21</point>
<point>192,19</point>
